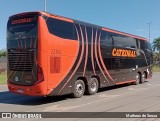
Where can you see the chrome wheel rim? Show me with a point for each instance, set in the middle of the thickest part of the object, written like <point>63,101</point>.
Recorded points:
<point>137,78</point>
<point>79,89</point>
<point>93,86</point>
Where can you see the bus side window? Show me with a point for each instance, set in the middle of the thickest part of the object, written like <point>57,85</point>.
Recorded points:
<point>137,44</point>
<point>106,38</point>
<point>142,44</point>
<point>123,41</point>
<point>61,28</point>
<point>117,40</point>
<point>130,42</point>
<point>148,46</point>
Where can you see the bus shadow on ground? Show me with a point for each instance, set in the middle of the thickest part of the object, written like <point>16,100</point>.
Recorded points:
<point>7,97</point>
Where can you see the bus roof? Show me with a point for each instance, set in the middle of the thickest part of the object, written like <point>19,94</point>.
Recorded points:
<point>83,23</point>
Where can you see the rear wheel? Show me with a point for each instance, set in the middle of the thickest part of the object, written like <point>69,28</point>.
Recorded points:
<point>79,88</point>
<point>143,79</point>
<point>92,86</point>
<point>138,78</point>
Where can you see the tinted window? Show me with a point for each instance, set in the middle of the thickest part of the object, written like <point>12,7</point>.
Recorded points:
<point>130,42</point>
<point>123,41</point>
<point>61,28</point>
<point>89,33</point>
<point>142,44</point>
<point>148,46</point>
<point>137,44</point>
<point>106,38</point>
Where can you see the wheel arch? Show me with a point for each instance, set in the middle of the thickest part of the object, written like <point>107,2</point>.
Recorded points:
<point>140,74</point>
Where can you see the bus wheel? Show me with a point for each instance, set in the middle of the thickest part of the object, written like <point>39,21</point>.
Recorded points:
<point>92,86</point>
<point>137,79</point>
<point>79,88</point>
<point>143,79</point>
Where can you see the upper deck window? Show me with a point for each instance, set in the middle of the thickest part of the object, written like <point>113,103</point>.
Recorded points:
<point>61,28</point>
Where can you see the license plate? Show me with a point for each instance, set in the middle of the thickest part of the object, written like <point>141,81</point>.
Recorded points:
<point>20,91</point>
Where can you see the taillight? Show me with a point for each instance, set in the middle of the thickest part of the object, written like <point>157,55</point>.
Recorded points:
<point>40,75</point>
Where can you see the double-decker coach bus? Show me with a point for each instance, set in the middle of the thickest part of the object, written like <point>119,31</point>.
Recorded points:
<point>52,55</point>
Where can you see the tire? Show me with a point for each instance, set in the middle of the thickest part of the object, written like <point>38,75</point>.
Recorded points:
<point>138,79</point>
<point>143,78</point>
<point>92,86</point>
<point>79,89</point>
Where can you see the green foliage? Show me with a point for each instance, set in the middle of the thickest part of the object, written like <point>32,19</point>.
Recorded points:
<point>3,53</point>
<point>156,53</point>
<point>156,44</point>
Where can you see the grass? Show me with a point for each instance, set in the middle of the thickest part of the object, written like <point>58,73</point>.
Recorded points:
<point>156,68</point>
<point>3,78</point>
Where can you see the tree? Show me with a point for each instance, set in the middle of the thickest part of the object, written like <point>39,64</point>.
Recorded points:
<point>3,53</point>
<point>156,46</point>
<point>156,49</point>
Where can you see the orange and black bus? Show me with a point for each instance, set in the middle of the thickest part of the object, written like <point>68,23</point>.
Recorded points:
<point>53,55</point>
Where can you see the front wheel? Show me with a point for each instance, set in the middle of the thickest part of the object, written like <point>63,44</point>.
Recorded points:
<point>79,88</point>
<point>92,86</point>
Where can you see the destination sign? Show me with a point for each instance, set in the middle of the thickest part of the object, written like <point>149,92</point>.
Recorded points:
<point>23,20</point>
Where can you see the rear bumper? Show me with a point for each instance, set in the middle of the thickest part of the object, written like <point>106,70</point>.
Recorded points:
<point>35,90</point>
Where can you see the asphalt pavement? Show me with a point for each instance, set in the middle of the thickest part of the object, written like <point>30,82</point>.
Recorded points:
<point>124,98</point>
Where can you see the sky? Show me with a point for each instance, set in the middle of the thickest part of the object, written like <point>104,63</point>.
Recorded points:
<point>130,16</point>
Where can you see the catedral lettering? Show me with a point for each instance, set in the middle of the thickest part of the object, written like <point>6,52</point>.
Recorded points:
<point>24,20</point>
<point>123,53</point>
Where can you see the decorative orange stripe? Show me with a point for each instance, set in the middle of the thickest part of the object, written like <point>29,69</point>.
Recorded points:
<point>118,83</point>
<point>98,60</point>
<point>100,55</point>
<point>86,58</point>
<point>92,54</point>
<point>79,62</point>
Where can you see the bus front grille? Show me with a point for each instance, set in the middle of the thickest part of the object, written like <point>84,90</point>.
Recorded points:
<point>21,60</point>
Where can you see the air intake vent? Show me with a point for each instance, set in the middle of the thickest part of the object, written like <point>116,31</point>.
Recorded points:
<point>21,60</point>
